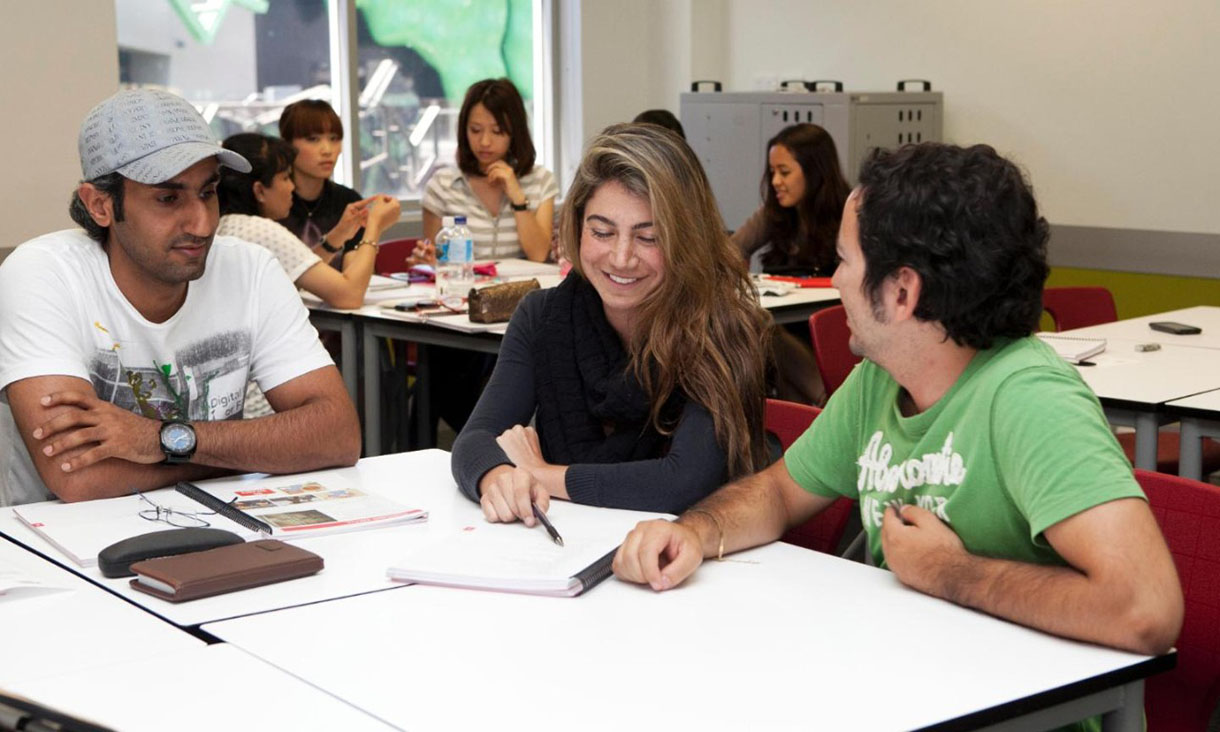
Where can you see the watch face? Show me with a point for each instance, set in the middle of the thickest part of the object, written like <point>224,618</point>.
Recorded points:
<point>178,438</point>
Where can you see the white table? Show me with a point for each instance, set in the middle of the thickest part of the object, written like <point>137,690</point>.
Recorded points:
<point>1134,387</point>
<point>203,688</point>
<point>1200,417</point>
<point>77,628</point>
<point>777,638</point>
<point>355,561</point>
<point>1136,330</point>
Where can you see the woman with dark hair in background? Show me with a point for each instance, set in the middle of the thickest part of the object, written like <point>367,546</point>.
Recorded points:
<point>327,216</point>
<point>508,201</point>
<point>661,118</point>
<point>794,233</point>
<point>803,193</point>
<point>644,369</point>
<point>251,202</point>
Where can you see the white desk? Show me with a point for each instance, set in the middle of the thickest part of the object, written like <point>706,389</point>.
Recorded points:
<point>1135,387</point>
<point>778,638</point>
<point>76,629</point>
<point>203,688</point>
<point>355,561</point>
<point>1200,417</point>
<point>1136,330</point>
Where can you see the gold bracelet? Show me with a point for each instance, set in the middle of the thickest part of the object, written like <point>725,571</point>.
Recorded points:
<point>372,244</point>
<point>719,530</point>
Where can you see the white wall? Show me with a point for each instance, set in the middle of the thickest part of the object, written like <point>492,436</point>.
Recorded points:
<point>60,60</point>
<point>1113,106</point>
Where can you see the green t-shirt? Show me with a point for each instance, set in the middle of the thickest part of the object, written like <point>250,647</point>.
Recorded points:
<point>1017,444</point>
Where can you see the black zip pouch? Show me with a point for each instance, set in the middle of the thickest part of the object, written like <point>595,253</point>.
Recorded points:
<point>116,559</point>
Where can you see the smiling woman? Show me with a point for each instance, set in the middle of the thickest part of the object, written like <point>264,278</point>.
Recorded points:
<point>643,370</point>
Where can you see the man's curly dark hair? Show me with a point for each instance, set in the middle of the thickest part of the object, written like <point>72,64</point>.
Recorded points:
<point>966,220</point>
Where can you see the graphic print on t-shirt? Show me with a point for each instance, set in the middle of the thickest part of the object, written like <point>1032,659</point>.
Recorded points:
<point>878,481</point>
<point>203,381</point>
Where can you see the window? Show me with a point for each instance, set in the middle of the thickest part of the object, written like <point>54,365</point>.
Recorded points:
<point>242,61</point>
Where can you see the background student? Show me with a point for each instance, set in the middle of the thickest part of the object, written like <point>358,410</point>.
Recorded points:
<point>803,192</point>
<point>508,201</point>
<point>643,369</point>
<point>325,215</point>
<point>663,118</point>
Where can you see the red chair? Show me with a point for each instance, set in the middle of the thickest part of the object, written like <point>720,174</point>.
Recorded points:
<point>1189,516</point>
<point>830,335</point>
<point>1080,307</point>
<point>392,255</point>
<point>822,533</point>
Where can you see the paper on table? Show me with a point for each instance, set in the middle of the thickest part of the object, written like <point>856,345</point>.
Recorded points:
<point>512,558</point>
<point>15,583</point>
<point>1073,349</point>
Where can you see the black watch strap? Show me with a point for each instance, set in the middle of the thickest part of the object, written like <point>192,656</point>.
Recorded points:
<point>523,206</point>
<point>333,250</point>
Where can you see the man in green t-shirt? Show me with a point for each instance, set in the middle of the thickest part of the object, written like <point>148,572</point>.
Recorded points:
<point>984,468</point>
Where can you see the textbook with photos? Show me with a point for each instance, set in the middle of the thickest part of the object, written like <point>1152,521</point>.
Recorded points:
<point>290,506</point>
<point>514,558</point>
<point>1073,349</point>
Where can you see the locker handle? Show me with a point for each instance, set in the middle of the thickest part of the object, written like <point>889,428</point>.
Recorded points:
<point>902,84</point>
<point>813,85</point>
<point>783,85</point>
<point>694,85</point>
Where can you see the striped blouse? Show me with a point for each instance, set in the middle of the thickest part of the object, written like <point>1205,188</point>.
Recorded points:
<point>495,237</point>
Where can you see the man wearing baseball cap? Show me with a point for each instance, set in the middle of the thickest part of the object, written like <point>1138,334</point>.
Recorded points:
<point>126,344</point>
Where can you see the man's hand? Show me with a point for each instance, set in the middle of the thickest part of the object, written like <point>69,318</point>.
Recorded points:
<point>922,551</point>
<point>521,446</point>
<point>507,493</point>
<point>659,553</point>
<point>101,429</point>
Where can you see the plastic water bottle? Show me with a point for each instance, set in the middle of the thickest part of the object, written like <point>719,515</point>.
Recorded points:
<point>454,258</point>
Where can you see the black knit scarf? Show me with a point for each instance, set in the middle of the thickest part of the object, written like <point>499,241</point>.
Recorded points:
<point>591,409</point>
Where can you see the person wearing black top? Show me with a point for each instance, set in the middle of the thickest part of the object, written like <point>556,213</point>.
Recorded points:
<point>327,216</point>
<point>643,371</point>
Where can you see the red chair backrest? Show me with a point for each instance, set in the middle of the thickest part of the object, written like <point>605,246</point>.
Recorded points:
<point>830,335</point>
<point>787,421</point>
<point>1189,516</point>
<point>1079,307</point>
<point>392,255</point>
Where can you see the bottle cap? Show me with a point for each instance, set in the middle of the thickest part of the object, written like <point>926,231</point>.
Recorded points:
<point>447,221</point>
<point>460,220</point>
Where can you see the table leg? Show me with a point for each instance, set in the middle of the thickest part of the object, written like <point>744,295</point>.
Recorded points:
<point>1190,452</point>
<point>372,393</point>
<point>1130,716</point>
<point>1146,434</point>
<point>347,350</point>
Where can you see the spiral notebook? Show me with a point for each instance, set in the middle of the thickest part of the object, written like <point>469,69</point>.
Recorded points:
<point>515,558</point>
<point>1073,349</point>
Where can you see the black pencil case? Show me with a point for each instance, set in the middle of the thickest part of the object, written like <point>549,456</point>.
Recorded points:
<point>116,559</point>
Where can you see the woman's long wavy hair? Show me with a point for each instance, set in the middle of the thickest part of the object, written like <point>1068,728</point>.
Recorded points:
<point>702,331</point>
<point>804,236</point>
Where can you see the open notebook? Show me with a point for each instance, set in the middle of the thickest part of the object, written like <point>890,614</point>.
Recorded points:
<point>1073,349</point>
<point>306,504</point>
<point>513,558</point>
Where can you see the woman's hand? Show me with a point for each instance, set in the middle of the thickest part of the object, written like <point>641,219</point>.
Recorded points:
<point>500,174</point>
<point>507,493</point>
<point>383,212</point>
<point>521,446</point>
<point>354,217</point>
<point>423,253</point>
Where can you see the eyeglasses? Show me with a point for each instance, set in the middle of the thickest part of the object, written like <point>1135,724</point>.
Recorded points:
<point>173,517</point>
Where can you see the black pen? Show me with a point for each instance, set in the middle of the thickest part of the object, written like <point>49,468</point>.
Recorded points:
<point>538,514</point>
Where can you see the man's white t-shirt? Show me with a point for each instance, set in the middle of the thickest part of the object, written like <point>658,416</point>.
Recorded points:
<point>61,313</point>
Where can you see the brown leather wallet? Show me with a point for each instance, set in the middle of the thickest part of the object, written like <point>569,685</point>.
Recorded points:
<point>216,571</point>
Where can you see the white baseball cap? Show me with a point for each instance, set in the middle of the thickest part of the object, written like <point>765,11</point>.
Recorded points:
<point>149,136</point>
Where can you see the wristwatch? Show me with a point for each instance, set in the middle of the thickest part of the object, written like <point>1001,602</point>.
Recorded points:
<point>333,250</point>
<point>177,441</point>
<point>523,206</point>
